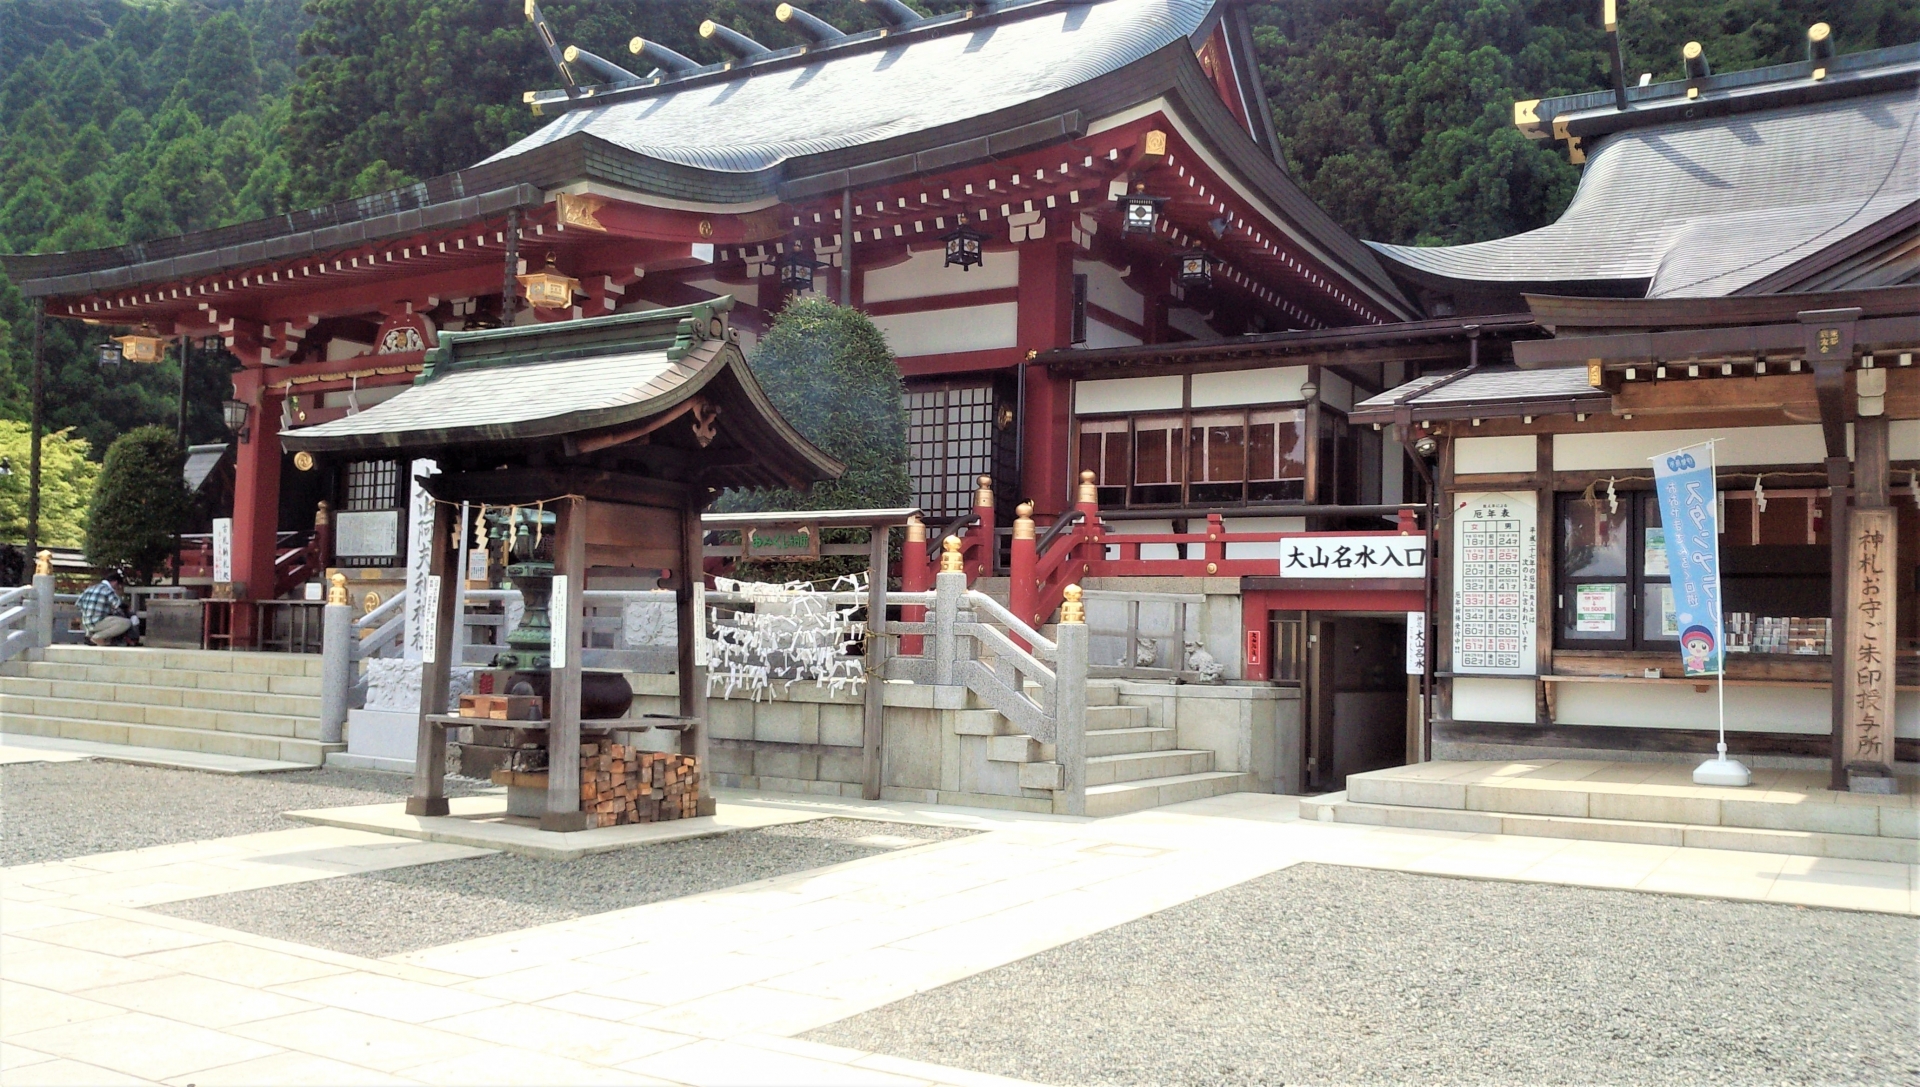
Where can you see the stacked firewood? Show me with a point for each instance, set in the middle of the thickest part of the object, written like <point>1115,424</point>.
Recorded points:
<point>620,783</point>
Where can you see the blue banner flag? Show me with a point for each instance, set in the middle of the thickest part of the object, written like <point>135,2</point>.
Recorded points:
<point>1690,516</point>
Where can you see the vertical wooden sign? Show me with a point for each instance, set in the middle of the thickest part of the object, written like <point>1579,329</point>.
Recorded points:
<point>1867,731</point>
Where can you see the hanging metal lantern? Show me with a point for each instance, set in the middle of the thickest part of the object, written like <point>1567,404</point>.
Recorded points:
<point>796,269</point>
<point>548,289</point>
<point>110,356</point>
<point>1195,269</point>
<point>963,245</point>
<point>234,413</point>
<point>1140,213</point>
<point>143,346</point>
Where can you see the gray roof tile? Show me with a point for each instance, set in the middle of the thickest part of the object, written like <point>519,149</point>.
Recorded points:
<point>1703,209</point>
<point>756,120</point>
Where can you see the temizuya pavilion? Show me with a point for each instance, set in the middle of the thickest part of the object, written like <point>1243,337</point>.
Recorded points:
<point>624,428</point>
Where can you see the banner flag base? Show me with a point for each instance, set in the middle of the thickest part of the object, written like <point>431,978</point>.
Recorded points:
<point>1722,771</point>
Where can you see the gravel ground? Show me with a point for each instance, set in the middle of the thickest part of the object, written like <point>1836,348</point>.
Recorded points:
<point>1325,975</point>
<point>405,909</point>
<point>55,810</point>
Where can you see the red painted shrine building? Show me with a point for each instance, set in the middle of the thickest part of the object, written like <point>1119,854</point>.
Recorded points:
<point>1070,220</point>
<point>1022,122</point>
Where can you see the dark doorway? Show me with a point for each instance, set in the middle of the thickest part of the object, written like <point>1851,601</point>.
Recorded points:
<point>1356,695</point>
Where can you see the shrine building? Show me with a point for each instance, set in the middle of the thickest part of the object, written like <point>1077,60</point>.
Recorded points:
<point>1108,298</point>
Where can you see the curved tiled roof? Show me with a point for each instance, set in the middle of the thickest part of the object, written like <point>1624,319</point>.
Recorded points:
<point>765,113</point>
<point>1703,209</point>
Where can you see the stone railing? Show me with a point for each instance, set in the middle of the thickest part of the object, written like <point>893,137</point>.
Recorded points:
<point>27,614</point>
<point>971,641</point>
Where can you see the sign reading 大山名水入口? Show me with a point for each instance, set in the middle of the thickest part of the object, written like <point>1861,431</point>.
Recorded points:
<point>1353,556</point>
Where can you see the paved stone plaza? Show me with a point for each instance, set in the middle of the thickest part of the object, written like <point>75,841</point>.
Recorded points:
<point>1024,946</point>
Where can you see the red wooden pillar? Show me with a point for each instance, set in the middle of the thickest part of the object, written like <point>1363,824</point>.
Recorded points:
<point>1023,589</point>
<point>256,501</point>
<point>916,576</point>
<point>1046,322</point>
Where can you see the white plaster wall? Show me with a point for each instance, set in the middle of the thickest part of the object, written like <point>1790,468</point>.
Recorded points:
<point>1100,334</point>
<point>1480,455</point>
<point>1107,290</point>
<point>925,273</point>
<point>1260,524</point>
<point>748,293</point>
<point>1190,322</point>
<point>340,348</point>
<point>1482,698</point>
<point>1225,388</point>
<point>1336,391</point>
<point>1738,446</point>
<point>1127,394</point>
<point>937,332</point>
<point>1147,551</point>
<point>1903,439</point>
<point>1804,710</point>
<point>366,397</point>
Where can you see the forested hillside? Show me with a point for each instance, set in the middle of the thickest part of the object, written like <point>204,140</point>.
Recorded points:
<point>131,119</point>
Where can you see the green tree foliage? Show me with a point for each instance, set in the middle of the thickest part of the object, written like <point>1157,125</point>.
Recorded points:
<point>828,370</point>
<point>66,485</point>
<point>139,502</point>
<point>1396,115</point>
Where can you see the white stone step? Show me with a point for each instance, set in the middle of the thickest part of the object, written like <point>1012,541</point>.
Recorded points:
<point>191,660</point>
<point>158,674</point>
<point>212,741</point>
<point>296,705</point>
<point>1124,741</point>
<point>137,713</point>
<point>1337,807</point>
<point>1099,717</point>
<point>1128,796</point>
<point>1145,765</point>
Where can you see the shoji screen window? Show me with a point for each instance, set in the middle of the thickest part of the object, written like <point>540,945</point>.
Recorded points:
<point>1103,451</point>
<point>1276,455</point>
<point>1217,458</point>
<point>1159,459</point>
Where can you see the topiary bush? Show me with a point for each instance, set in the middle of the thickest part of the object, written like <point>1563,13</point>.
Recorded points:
<point>139,502</point>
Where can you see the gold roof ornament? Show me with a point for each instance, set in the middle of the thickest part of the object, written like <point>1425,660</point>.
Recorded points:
<point>950,561</point>
<point>1071,610</point>
<point>337,588</point>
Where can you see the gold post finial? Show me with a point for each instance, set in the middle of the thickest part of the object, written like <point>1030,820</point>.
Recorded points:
<point>43,564</point>
<point>1088,492</point>
<point>1023,521</point>
<point>322,514</point>
<point>983,498</point>
<point>1071,610</point>
<point>916,529</point>
<point>950,561</point>
<point>337,588</point>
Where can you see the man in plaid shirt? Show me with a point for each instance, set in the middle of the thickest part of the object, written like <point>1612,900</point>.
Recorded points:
<point>102,611</point>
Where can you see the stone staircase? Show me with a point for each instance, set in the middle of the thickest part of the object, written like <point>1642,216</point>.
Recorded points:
<point>1783,811</point>
<point>1131,765</point>
<point>254,705</point>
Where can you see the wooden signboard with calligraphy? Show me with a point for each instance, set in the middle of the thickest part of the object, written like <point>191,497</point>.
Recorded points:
<point>1867,732</point>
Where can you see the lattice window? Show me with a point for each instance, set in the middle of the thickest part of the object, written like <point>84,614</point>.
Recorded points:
<point>373,485</point>
<point>949,446</point>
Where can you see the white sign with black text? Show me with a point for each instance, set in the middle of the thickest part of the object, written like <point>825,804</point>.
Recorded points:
<point>222,549</point>
<point>1332,556</point>
<point>1416,643</point>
